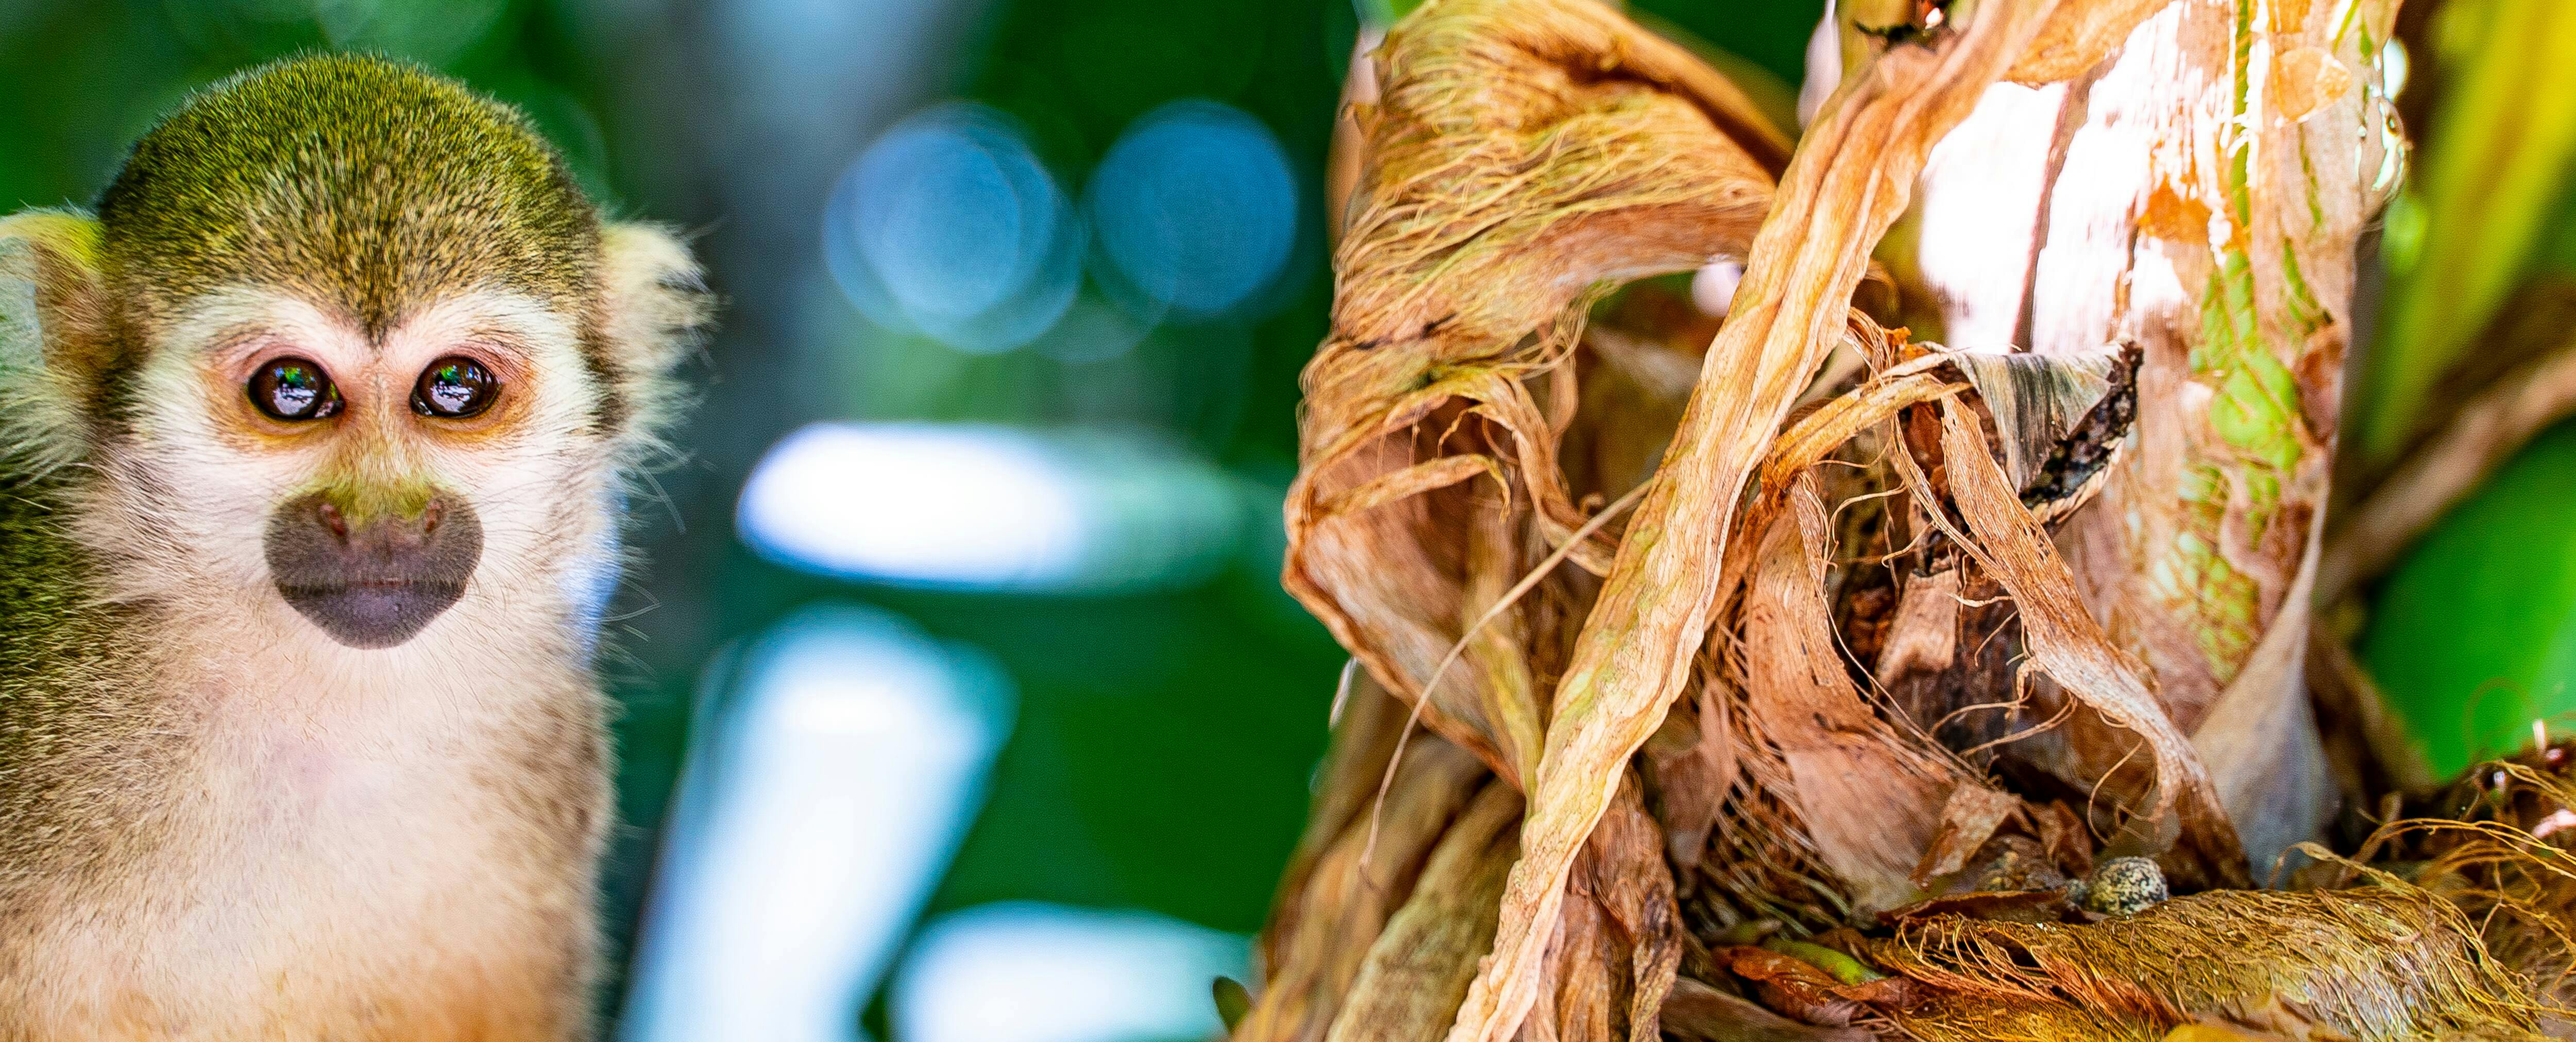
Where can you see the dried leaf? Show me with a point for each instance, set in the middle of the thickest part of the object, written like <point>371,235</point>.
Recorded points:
<point>2068,643</point>
<point>1968,820</point>
<point>1816,436</point>
<point>1520,157</point>
<point>2012,906</point>
<point>1925,635</point>
<point>2036,400</point>
<point>2064,838</point>
<point>1870,795</point>
<point>1583,999</point>
<point>1842,191</point>
<point>1515,165</point>
<point>1761,855</point>
<point>1793,985</point>
<point>1696,1012</point>
<point>1409,985</point>
<point>1412,481</point>
<point>1362,878</point>
<point>1625,864</point>
<point>1889,993</point>
<point>1691,761</point>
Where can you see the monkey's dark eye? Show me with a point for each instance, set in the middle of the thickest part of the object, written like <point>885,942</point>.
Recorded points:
<point>454,387</point>
<point>294,389</point>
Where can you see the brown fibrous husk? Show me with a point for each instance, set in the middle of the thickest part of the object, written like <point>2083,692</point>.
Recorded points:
<point>2373,963</point>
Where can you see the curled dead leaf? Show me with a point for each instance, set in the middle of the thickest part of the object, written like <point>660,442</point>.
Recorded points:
<point>1870,795</point>
<point>1519,158</point>
<point>1793,986</point>
<point>1842,191</point>
<point>1925,635</point>
<point>1968,820</point>
<point>2068,643</point>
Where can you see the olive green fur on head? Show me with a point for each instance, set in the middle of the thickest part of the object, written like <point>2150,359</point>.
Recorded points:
<point>367,187</point>
<point>363,502</point>
<point>362,182</point>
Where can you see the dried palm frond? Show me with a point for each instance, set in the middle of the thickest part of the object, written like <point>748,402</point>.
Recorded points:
<point>1860,685</point>
<point>1523,157</point>
<point>1842,190</point>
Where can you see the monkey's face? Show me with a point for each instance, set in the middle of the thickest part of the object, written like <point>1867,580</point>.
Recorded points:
<point>375,482</point>
<point>344,360</point>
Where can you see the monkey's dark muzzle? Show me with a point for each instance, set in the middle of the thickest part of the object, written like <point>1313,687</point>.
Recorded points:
<point>376,584</point>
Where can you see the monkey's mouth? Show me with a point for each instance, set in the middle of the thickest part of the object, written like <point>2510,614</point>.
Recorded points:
<point>373,613</point>
<point>378,584</point>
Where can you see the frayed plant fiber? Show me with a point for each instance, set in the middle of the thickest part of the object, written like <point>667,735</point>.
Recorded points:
<point>2499,852</point>
<point>2376,964</point>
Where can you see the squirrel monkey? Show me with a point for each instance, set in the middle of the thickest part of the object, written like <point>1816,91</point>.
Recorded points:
<point>314,436</point>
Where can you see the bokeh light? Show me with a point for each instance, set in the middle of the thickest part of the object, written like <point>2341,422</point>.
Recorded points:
<point>833,775</point>
<point>1194,210</point>
<point>1027,972</point>
<point>980,507</point>
<point>948,226</point>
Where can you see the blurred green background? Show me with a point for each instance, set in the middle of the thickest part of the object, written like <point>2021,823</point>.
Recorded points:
<point>2473,634</point>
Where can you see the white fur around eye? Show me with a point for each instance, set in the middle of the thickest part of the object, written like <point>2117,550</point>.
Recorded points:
<point>185,500</point>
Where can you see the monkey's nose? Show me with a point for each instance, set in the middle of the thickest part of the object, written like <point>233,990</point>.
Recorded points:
<point>372,583</point>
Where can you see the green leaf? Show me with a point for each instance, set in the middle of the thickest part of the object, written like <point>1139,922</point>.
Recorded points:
<point>2475,634</point>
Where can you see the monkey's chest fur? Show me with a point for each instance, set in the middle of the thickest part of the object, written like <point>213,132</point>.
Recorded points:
<point>266,843</point>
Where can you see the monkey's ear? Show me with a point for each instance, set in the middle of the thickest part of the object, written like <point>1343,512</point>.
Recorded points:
<point>657,307</point>
<point>52,317</point>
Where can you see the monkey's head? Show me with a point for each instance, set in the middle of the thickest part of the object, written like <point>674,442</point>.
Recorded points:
<point>343,336</point>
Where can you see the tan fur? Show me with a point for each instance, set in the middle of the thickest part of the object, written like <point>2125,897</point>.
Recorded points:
<point>218,824</point>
